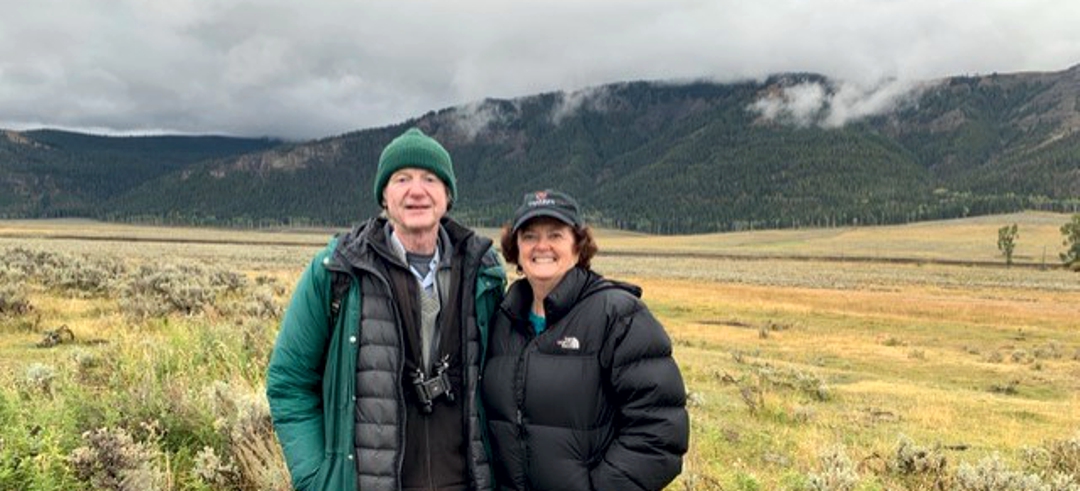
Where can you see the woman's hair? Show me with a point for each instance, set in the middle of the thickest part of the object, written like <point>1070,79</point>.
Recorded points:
<point>584,245</point>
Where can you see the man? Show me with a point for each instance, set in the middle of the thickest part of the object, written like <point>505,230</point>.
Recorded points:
<point>379,391</point>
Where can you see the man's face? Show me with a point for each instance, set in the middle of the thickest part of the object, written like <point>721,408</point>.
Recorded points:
<point>415,201</point>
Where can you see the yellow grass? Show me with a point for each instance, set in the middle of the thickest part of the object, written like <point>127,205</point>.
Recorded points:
<point>91,229</point>
<point>942,396</point>
<point>971,239</point>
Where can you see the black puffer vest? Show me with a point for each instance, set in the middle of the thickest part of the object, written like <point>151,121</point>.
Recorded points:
<point>385,422</point>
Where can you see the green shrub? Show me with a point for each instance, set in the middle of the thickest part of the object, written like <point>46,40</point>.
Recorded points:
<point>10,275</point>
<point>243,416</point>
<point>919,466</point>
<point>34,460</point>
<point>1050,350</point>
<point>893,341</point>
<point>111,459</point>
<point>1008,388</point>
<point>38,379</point>
<point>1064,456</point>
<point>746,482</point>
<point>212,470</point>
<point>79,275</point>
<point>13,299</point>
<point>86,277</point>
<point>159,290</point>
<point>992,474</point>
<point>812,385</point>
<point>836,472</point>
<point>262,304</point>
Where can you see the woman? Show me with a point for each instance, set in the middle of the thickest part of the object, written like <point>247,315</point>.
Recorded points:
<point>580,389</point>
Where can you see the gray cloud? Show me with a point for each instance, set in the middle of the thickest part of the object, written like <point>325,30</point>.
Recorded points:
<point>800,105</point>
<point>813,103</point>
<point>317,68</point>
<point>853,102</point>
<point>472,118</point>
<point>592,98</point>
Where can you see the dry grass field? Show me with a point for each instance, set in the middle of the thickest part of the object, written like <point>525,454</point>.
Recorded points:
<point>971,239</point>
<point>812,359</point>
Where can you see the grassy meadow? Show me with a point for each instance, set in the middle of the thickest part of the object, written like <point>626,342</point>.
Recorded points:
<point>878,358</point>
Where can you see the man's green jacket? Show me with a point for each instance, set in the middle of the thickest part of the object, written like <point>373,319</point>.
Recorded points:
<point>312,373</point>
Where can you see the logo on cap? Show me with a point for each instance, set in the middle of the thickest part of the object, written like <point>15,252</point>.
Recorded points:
<point>540,198</point>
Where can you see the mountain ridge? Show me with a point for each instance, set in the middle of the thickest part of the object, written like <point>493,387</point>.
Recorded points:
<point>793,150</point>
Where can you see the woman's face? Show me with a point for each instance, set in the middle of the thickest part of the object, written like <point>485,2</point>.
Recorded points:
<point>546,250</point>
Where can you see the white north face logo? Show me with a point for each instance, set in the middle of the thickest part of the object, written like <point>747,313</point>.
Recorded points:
<point>569,342</point>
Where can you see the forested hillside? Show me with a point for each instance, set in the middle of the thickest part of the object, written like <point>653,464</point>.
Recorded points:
<point>56,173</point>
<point>666,158</point>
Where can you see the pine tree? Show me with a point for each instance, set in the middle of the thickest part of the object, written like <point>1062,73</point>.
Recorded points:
<point>1007,242</point>
<point>1071,231</point>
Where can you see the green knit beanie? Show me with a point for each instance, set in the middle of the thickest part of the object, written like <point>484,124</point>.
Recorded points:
<point>415,149</point>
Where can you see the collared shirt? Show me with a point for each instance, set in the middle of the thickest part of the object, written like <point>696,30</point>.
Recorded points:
<point>427,282</point>
<point>431,296</point>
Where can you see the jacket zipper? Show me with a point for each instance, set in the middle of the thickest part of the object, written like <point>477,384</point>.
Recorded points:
<point>522,433</point>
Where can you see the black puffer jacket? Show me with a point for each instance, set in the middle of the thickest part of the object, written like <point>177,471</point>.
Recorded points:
<point>595,402</point>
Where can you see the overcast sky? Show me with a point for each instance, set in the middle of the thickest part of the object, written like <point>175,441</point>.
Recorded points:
<point>315,68</point>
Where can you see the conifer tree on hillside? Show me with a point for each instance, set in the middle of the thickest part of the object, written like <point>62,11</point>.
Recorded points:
<point>1071,231</point>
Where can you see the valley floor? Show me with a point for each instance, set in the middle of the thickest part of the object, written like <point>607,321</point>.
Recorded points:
<point>799,372</point>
